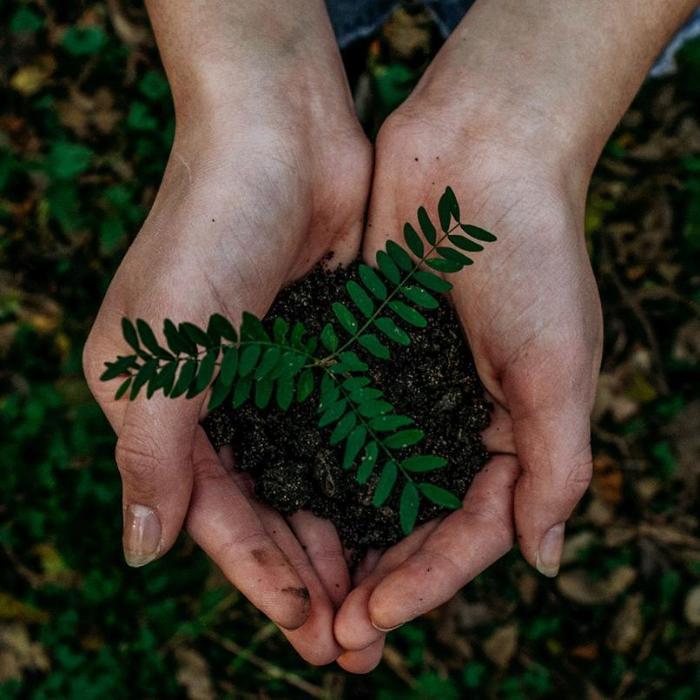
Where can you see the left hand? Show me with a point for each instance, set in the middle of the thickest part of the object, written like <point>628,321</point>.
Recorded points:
<point>530,308</point>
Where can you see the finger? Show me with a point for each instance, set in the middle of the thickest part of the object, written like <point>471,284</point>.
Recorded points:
<point>225,525</point>
<point>554,450</point>
<point>462,546</point>
<point>362,661</point>
<point>154,457</point>
<point>366,566</point>
<point>320,541</point>
<point>314,640</point>
<point>353,627</point>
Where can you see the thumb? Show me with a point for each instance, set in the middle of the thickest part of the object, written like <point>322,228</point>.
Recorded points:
<point>154,457</point>
<point>551,427</point>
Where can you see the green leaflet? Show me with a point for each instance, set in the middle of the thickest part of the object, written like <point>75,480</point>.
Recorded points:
<point>224,382</point>
<point>187,372</point>
<point>345,317</point>
<point>252,328</point>
<point>420,296</point>
<point>388,267</point>
<point>194,333</point>
<point>387,326</point>
<point>130,335</point>
<point>343,428</point>
<point>399,256</point>
<point>442,265</point>
<point>404,438</point>
<point>143,375</point>
<point>372,281</point>
<point>329,339</point>
<point>389,423</point>
<point>220,327</point>
<point>413,240</point>
<point>263,391</point>
<point>432,282</point>
<point>369,459</point>
<point>119,367</point>
<point>426,226</point>
<point>241,391</point>
<point>360,298</point>
<point>479,233</point>
<point>177,342</point>
<point>454,255</point>
<point>305,385</point>
<point>333,413</point>
<point>448,209</point>
<point>465,243</point>
<point>409,314</point>
<point>440,496</point>
<point>249,359</point>
<point>386,482</point>
<point>285,392</point>
<point>269,361</point>
<point>370,342</point>
<point>204,373</point>
<point>280,328</point>
<point>353,445</point>
<point>148,339</point>
<point>122,388</point>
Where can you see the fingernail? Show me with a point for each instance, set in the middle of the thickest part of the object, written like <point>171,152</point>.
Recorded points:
<point>386,629</point>
<point>549,552</point>
<point>141,535</point>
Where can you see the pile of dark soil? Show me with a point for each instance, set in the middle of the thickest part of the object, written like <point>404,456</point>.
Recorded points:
<point>433,381</point>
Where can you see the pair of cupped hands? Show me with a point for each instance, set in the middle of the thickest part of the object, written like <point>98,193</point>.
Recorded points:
<point>255,193</point>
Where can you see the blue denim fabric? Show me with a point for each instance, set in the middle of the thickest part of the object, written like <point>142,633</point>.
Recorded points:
<point>355,19</point>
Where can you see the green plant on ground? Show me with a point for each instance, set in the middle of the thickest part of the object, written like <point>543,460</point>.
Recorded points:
<point>254,364</point>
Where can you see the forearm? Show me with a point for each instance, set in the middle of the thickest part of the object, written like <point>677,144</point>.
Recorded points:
<point>556,71</point>
<point>236,56</point>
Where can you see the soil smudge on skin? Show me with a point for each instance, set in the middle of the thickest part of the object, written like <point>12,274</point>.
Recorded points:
<point>433,380</point>
<point>302,593</point>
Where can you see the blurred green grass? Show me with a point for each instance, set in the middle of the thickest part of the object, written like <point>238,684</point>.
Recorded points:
<point>85,130</point>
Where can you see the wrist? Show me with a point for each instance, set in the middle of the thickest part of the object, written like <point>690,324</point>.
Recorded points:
<point>554,83</point>
<point>249,59</point>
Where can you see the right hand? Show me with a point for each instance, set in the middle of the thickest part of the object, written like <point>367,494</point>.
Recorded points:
<point>249,201</point>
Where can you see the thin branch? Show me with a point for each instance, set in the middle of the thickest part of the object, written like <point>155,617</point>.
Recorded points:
<point>272,670</point>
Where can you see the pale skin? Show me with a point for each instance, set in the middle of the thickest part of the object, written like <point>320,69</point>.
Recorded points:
<point>270,170</point>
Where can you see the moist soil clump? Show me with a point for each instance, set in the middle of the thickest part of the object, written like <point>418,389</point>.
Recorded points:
<point>433,380</point>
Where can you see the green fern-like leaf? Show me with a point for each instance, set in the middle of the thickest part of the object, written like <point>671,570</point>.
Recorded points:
<point>281,364</point>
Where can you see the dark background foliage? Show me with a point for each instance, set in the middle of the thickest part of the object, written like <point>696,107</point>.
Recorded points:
<point>85,129</point>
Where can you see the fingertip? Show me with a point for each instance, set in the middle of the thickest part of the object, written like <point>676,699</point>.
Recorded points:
<point>363,661</point>
<point>385,610</point>
<point>295,608</point>
<point>352,627</point>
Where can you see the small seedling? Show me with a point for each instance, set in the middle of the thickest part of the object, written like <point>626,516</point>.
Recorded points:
<point>288,363</point>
